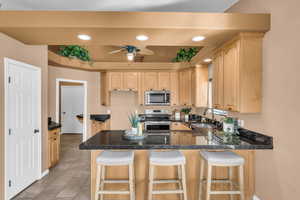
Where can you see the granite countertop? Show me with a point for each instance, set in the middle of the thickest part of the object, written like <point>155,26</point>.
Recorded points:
<point>96,117</point>
<point>100,117</point>
<point>53,125</point>
<point>180,140</point>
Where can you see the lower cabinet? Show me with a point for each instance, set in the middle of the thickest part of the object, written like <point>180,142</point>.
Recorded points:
<point>97,126</point>
<point>53,147</point>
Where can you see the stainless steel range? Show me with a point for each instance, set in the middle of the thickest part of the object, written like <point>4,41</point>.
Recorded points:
<point>157,121</point>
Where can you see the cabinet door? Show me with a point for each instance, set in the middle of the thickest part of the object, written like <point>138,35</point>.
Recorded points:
<point>105,95</point>
<point>115,81</point>
<point>231,77</point>
<point>130,81</point>
<point>150,81</point>
<point>174,87</point>
<point>188,80</point>
<point>217,82</point>
<point>164,80</point>
<point>183,88</point>
<point>193,87</point>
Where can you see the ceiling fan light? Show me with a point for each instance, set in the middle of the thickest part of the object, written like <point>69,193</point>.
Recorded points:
<point>130,56</point>
<point>198,38</point>
<point>84,37</point>
<point>142,37</point>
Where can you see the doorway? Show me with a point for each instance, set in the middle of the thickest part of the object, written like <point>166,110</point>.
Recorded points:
<point>71,106</point>
<point>22,126</point>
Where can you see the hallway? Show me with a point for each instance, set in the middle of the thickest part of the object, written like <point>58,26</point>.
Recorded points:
<point>69,180</point>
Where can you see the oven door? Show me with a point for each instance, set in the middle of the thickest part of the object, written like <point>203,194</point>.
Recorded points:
<point>157,98</point>
<point>157,126</point>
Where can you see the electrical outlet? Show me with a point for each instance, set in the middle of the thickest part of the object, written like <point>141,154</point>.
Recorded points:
<point>255,198</point>
<point>241,123</point>
<point>108,112</point>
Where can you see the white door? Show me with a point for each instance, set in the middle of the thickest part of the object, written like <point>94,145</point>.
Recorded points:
<point>72,104</point>
<point>22,110</point>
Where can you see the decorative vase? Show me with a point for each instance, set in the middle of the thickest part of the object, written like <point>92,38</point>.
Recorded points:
<point>186,118</point>
<point>228,127</point>
<point>134,131</point>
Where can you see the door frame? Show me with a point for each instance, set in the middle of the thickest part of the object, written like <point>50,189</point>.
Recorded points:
<point>7,61</point>
<point>85,114</point>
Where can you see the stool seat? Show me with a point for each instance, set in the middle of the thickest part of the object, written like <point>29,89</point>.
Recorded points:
<point>115,158</point>
<point>166,158</point>
<point>222,158</point>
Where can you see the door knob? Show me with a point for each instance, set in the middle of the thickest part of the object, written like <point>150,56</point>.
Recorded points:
<point>36,131</point>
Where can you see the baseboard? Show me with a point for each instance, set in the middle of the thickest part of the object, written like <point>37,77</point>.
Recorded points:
<point>255,197</point>
<point>44,173</point>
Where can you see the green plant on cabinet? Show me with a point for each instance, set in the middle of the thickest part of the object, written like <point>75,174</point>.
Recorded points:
<point>74,51</point>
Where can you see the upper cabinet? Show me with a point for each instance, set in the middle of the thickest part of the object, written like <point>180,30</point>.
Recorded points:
<point>174,88</point>
<point>131,81</point>
<point>164,81</point>
<point>217,83</point>
<point>200,86</point>
<point>237,69</point>
<point>150,81</point>
<point>185,87</point>
<point>115,80</point>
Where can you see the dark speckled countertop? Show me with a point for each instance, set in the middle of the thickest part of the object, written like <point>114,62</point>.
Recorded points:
<point>53,125</point>
<point>193,139</point>
<point>97,117</point>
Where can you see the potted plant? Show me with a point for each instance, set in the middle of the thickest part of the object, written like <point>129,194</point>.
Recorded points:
<point>228,125</point>
<point>75,51</point>
<point>186,112</point>
<point>185,54</point>
<point>134,122</point>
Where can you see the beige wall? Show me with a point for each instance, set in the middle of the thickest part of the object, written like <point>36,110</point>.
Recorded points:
<point>277,171</point>
<point>34,55</point>
<point>93,89</point>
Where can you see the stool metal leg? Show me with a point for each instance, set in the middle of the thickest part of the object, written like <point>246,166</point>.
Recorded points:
<point>131,182</point>
<point>102,178</point>
<point>180,180</point>
<point>151,174</point>
<point>98,177</point>
<point>202,165</point>
<point>184,182</point>
<point>241,181</point>
<point>208,181</point>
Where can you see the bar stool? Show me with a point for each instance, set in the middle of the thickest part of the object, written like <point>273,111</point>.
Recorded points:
<point>221,159</point>
<point>167,158</point>
<point>114,158</point>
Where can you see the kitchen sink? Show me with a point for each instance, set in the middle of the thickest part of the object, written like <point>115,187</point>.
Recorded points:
<point>203,128</point>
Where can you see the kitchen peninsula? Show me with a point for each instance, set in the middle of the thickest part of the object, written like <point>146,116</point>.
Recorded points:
<point>189,142</point>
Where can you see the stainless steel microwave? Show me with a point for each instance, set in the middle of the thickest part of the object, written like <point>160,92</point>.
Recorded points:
<point>157,98</point>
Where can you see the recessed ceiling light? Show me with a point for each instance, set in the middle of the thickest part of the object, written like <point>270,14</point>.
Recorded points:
<point>207,60</point>
<point>84,37</point>
<point>198,38</point>
<point>142,37</point>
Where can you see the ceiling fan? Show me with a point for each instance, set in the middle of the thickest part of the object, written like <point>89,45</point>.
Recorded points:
<point>132,51</point>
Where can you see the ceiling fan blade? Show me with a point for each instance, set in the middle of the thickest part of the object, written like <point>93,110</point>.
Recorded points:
<point>145,51</point>
<point>116,51</point>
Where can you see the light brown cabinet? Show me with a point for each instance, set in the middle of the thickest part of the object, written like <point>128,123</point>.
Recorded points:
<point>97,126</point>
<point>115,81</point>
<point>150,81</point>
<point>199,86</point>
<point>164,81</point>
<point>217,82</point>
<point>53,147</point>
<point>130,81</point>
<point>104,93</point>
<point>237,74</point>
<point>185,87</point>
<point>174,87</point>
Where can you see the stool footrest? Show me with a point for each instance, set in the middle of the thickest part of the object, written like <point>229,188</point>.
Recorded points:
<point>224,192</point>
<point>115,181</point>
<point>167,191</point>
<point>113,192</point>
<point>165,181</point>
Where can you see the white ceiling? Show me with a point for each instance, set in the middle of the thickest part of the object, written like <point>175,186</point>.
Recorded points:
<point>120,5</point>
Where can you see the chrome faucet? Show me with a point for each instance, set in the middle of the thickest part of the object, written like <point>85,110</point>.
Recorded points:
<point>212,112</point>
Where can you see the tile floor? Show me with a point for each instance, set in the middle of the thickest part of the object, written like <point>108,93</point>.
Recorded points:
<point>69,180</point>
